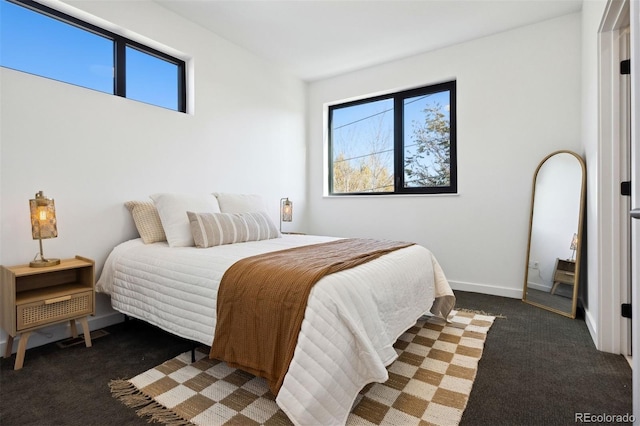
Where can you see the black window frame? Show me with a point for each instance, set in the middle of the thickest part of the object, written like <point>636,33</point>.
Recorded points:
<point>398,142</point>
<point>119,46</point>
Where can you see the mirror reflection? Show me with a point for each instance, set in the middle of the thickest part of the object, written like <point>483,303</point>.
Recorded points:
<point>555,233</point>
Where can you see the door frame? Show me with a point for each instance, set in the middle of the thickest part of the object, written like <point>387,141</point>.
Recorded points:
<point>625,219</point>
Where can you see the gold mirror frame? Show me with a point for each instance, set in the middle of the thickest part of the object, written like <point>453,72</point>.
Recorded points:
<point>579,232</point>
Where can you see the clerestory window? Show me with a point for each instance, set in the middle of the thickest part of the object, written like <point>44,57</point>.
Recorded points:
<point>43,41</point>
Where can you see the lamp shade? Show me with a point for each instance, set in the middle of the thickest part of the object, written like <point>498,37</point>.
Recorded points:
<point>43,217</point>
<point>286,210</point>
<point>574,242</point>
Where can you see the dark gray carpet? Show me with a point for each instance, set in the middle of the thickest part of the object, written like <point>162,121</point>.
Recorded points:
<point>538,368</point>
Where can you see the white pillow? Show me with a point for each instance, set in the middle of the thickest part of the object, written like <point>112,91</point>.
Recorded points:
<point>173,208</point>
<point>240,203</point>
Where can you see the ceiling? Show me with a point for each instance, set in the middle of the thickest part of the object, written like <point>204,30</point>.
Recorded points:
<point>316,39</point>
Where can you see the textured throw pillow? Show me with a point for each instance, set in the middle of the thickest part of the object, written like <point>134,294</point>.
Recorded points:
<point>215,229</point>
<point>240,203</point>
<point>147,221</point>
<point>173,208</point>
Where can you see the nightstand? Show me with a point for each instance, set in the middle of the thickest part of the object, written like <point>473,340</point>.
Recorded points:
<point>32,298</point>
<point>564,273</point>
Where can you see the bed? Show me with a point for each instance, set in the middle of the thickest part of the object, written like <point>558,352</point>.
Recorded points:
<point>347,335</point>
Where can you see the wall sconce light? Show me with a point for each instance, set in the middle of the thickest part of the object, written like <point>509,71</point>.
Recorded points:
<point>573,246</point>
<point>286,211</point>
<point>43,225</point>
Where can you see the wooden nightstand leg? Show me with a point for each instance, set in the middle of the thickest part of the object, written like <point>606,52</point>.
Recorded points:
<point>85,330</point>
<point>22,347</point>
<point>9,349</point>
<point>74,330</point>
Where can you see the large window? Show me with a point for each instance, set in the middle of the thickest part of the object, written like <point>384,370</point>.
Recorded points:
<point>45,42</point>
<point>400,143</point>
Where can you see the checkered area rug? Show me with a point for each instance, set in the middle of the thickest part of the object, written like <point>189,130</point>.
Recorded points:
<point>429,383</point>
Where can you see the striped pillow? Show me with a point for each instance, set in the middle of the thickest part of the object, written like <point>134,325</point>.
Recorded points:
<point>215,229</point>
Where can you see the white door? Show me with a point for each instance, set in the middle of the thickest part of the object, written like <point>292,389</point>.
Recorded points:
<point>635,202</point>
<point>620,248</point>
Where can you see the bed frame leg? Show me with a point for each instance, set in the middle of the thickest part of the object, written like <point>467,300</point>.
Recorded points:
<point>193,353</point>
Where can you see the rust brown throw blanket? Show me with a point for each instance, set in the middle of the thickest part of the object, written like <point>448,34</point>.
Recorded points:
<point>262,300</point>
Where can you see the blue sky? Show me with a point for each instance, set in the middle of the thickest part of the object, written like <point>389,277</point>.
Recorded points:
<point>37,44</point>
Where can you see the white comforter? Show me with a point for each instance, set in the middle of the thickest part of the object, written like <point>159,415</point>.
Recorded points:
<point>347,335</point>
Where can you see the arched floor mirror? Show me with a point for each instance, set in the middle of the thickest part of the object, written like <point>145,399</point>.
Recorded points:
<point>555,233</point>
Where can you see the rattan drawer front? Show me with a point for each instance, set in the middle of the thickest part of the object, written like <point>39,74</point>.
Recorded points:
<point>54,310</point>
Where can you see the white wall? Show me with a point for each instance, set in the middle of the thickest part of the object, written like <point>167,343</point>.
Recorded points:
<point>518,100</point>
<point>92,151</point>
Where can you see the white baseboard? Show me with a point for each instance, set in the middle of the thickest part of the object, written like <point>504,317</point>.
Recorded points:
<point>538,286</point>
<point>487,289</point>
<point>61,331</point>
<point>591,326</point>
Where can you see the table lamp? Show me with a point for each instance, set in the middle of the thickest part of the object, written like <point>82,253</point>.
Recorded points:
<point>574,245</point>
<point>43,225</point>
<point>286,211</point>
